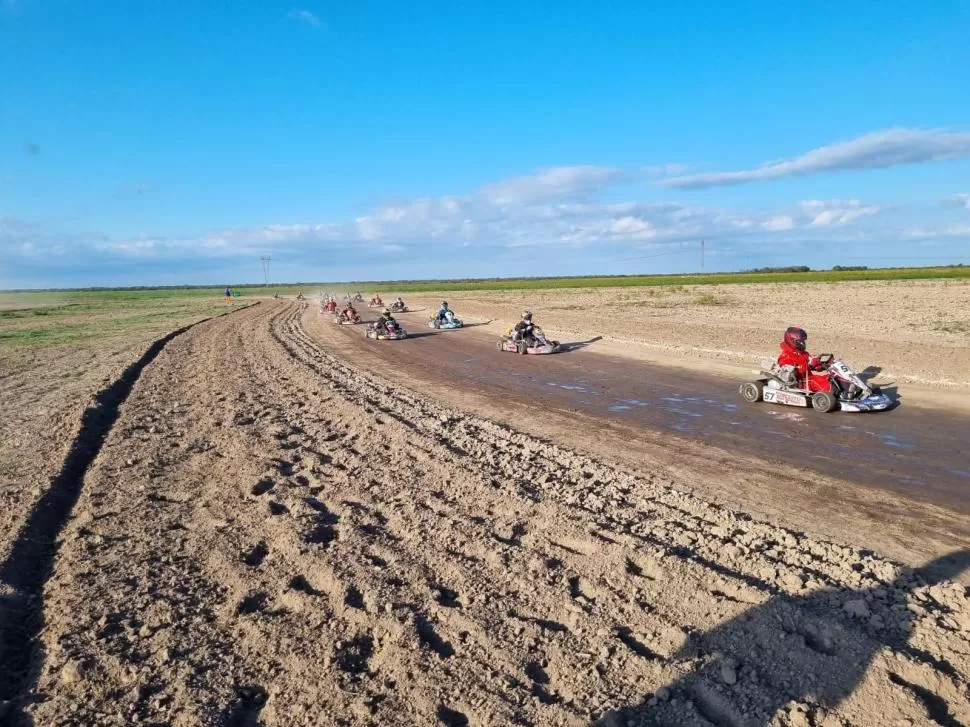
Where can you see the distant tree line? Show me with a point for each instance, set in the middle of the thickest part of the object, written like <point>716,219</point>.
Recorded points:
<point>786,269</point>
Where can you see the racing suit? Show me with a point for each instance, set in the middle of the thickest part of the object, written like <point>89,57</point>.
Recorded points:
<point>807,369</point>
<point>523,331</point>
<point>443,313</point>
<point>384,321</point>
<point>349,313</point>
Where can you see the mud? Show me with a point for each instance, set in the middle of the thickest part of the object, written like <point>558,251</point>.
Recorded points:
<point>909,451</point>
<point>270,535</point>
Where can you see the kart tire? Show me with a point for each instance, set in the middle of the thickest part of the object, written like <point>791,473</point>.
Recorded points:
<point>753,392</point>
<point>499,345</point>
<point>824,402</point>
<point>521,348</point>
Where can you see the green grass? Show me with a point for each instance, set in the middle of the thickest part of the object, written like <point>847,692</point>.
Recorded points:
<point>710,299</point>
<point>820,276</point>
<point>82,319</point>
<point>100,296</point>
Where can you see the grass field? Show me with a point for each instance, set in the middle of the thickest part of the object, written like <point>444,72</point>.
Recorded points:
<point>83,319</point>
<point>137,297</point>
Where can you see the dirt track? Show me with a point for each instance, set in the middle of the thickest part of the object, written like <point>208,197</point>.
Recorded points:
<point>271,536</point>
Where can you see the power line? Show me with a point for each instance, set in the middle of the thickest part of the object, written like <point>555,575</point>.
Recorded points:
<point>265,260</point>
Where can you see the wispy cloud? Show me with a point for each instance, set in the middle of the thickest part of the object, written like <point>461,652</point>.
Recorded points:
<point>921,233</point>
<point>553,183</point>
<point>958,200</point>
<point>876,150</point>
<point>778,223</point>
<point>305,16</point>
<point>836,212</point>
<point>664,170</point>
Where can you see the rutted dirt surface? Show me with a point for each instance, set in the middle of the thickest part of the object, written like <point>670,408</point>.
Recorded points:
<point>270,536</point>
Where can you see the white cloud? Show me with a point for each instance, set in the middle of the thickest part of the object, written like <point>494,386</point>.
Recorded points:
<point>664,170</point>
<point>836,212</point>
<point>958,200</point>
<point>305,16</point>
<point>778,223</point>
<point>921,233</point>
<point>875,150</point>
<point>554,183</point>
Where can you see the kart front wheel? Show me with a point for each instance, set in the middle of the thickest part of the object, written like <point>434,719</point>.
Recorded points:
<point>753,392</point>
<point>521,348</point>
<point>823,401</point>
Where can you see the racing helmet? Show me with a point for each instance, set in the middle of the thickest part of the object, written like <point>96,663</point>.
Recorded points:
<point>527,315</point>
<point>386,312</point>
<point>444,304</point>
<point>796,337</point>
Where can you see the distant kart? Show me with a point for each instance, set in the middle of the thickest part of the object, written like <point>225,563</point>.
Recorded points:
<point>393,332</point>
<point>847,392</point>
<point>342,320</point>
<point>329,307</point>
<point>375,303</point>
<point>398,307</point>
<point>540,345</point>
<point>450,321</point>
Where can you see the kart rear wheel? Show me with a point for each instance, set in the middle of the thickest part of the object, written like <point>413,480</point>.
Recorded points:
<point>753,392</point>
<point>499,345</point>
<point>824,402</point>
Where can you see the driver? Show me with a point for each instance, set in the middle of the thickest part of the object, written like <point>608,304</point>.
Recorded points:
<point>386,321</point>
<point>400,303</point>
<point>525,328</point>
<point>443,311</point>
<point>793,353</point>
<point>348,313</point>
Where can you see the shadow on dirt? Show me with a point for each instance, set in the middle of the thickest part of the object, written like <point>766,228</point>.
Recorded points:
<point>31,558</point>
<point>812,646</point>
<point>577,345</point>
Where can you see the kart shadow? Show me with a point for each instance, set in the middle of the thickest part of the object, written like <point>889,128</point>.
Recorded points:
<point>893,393</point>
<point>421,334</point>
<point>870,372</point>
<point>576,345</point>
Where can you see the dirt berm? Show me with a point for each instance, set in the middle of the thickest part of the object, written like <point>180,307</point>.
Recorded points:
<point>270,536</point>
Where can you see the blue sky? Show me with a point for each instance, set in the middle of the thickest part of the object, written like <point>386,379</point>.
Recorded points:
<point>166,143</point>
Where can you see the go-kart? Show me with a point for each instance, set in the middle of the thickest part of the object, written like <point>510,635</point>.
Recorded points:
<point>393,332</point>
<point>398,307</point>
<point>343,320</point>
<point>834,386</point>
<point>450,321</point>
<point>375,303</point>
<point>537,346</point>
<point>329,307</point>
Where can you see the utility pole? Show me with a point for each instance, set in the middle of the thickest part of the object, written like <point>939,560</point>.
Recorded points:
<point>702,256</point>
<point>265,260</point>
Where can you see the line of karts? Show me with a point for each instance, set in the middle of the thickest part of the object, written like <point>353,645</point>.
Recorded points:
<point>388,329</point>
<point>830,385</point>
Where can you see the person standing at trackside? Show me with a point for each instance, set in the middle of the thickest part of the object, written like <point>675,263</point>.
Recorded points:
<point>228,295</point>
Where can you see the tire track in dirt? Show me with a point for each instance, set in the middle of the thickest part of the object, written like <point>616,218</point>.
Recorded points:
<point>273,537</point>
<point>29,562</point>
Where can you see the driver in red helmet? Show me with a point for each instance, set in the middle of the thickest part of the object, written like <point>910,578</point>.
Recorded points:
<point>793,353</point>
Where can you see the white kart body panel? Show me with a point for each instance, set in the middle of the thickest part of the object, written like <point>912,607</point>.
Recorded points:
<point>777,396</point>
